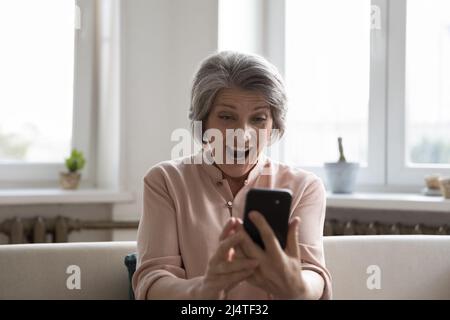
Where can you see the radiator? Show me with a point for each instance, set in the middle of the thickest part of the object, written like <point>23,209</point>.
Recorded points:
<point>36,230</point>
<point>335,227</point>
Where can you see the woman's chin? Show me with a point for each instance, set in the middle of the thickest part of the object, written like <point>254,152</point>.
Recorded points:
<point>235,170</point>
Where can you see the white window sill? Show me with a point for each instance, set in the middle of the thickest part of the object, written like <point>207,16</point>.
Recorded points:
<point>388,201</point>
<point>382,201</point>
<point>59,196</point>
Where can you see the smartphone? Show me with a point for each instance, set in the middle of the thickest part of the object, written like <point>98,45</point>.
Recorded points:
<point>275,206</point>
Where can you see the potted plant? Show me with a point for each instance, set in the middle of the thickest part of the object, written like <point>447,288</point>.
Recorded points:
<point>71,179</point>
<point>341,175</point>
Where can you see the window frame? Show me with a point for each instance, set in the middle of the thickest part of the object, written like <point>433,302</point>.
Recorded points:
<point>387,169</point>
<point>374,172</point>
<point>399,173</point>
<point>45,174</point>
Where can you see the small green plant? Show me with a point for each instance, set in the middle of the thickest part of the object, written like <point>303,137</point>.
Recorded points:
<point>76,161</point>
<point>341,151</point>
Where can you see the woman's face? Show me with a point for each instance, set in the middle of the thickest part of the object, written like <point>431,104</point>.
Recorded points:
<point>244,120</point>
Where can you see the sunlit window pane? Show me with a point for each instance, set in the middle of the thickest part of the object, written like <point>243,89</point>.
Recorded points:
<point>327,76</point>
<point>428,81</point>
<point>36,79</point>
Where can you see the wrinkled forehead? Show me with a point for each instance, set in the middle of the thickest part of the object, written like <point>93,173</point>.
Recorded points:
<point>240,100</point>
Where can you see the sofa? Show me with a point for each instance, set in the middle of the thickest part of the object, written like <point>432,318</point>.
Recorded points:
<point>362,267</point>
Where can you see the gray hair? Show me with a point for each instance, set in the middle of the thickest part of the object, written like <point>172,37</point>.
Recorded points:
<point>229,69</point>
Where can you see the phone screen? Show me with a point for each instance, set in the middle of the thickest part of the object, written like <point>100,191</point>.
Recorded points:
<point>275,206</point>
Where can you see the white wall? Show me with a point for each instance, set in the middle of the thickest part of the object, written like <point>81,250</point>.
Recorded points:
<point>162,44</point>
<point>242,29</point>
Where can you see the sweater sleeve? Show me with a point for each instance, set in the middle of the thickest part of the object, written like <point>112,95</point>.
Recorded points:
<point>311,211</point>
<point>158,249</point>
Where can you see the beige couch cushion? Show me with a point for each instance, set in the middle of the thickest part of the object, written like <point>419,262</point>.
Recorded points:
<point>411,267</point>
<point>38,271</point>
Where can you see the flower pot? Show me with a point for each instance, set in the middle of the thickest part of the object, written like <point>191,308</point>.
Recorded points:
<point>432,181</point>
<point>445,187</point>
<point>341,176</point>
<point>69,180</point>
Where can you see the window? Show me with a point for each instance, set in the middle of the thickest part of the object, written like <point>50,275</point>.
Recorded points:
<point>417,101</point>
<point>37,71</point>
<point>46,96</point>
<point>428,82</point>
<point>327,68</point>
<point>334,64</point>
<point>375,72</point>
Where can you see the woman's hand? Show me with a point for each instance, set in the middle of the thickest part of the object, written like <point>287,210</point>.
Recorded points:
<point>224,270</point>
<point>279,272</point>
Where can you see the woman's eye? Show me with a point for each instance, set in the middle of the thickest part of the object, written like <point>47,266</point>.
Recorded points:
<point>225,117</point>
<point>259,119</point>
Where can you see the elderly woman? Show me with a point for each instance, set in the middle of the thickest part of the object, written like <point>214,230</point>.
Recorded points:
<point>191,242</point>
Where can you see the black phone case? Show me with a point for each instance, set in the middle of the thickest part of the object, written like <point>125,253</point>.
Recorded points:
<point>275,206</point>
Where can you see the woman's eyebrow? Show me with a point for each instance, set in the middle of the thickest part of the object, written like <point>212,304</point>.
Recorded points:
<point>233,107</point>
<point>261,107</point>
<point>226,105</point>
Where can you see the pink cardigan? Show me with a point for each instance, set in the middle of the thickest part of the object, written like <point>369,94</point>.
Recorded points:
<point>186,205</point>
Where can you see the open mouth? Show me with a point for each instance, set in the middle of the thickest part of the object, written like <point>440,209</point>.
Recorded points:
<point>238,155</point>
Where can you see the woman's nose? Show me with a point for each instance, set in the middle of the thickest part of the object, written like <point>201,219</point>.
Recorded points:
<point>246,133</point>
